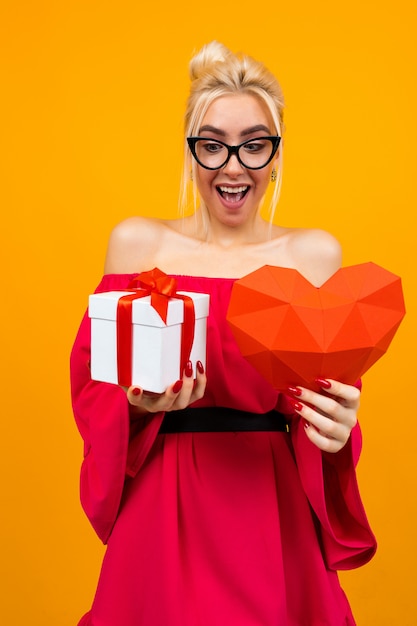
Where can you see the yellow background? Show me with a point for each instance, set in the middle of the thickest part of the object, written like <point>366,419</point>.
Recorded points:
<point>91,116</point>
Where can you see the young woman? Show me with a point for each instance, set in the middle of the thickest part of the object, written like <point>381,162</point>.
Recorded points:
<point>246,527</point>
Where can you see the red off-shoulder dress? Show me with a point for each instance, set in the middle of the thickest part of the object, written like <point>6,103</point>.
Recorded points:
<point>214,529</point>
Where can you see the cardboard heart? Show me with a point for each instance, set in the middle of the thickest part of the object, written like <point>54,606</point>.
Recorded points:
<point>293,332</point>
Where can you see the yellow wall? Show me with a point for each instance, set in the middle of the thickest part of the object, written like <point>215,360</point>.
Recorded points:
<point>93,94</point>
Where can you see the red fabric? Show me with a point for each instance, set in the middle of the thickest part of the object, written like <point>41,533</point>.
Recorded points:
<point>213,529</point>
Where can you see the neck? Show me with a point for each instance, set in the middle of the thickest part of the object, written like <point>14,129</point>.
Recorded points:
<point>205,228</point>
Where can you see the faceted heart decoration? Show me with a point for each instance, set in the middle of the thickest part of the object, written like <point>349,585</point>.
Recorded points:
<point>293,332</point>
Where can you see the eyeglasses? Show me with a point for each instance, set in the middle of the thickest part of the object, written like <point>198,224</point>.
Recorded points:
<point>254,154</point>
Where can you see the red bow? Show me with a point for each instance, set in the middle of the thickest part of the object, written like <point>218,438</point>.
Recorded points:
<point>161,288</point>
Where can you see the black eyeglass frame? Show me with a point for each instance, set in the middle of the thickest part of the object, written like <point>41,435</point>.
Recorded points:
<point>274,139</point>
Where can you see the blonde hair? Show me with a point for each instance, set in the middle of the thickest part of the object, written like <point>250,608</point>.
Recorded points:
<point>215,71</point>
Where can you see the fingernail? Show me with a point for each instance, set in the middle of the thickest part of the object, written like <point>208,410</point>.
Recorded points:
<point>136,391</point>
<point>323,383</point>
<point>177,387</point>
<point>189,369</point>
<point>297,406</point>
<point>200,367</point>
<point>295,391</point>
<point>306,424</point>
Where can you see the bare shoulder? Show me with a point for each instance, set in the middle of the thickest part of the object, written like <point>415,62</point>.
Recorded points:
<point>315,253</point>
<point>133,244</point>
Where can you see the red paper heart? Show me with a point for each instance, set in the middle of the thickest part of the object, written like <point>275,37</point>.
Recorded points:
<point>293,332</point>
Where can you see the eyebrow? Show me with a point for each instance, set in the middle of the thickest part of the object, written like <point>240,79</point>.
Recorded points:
<point>244,133</point>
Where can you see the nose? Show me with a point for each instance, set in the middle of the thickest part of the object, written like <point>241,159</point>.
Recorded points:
<point>233,167</point>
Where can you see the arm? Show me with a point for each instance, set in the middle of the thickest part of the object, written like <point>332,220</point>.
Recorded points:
<point>118,426</point>
<point>115,446</point>
<point>327,444</point>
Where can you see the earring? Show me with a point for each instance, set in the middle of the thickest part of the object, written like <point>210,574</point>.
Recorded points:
<point>273,175</point>
<point>191,175</point>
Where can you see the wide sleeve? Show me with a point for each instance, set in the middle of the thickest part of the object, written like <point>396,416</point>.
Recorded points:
<point>115,446</point>
<point>330,483</point>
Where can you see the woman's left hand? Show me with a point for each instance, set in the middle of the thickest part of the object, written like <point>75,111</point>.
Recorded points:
<point>329,416</point>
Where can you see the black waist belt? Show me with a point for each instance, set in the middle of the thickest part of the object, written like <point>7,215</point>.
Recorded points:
<point>221,420</point>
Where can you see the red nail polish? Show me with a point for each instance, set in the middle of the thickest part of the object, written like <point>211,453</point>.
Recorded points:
<point>188,369</point>
<point>323,383</point>
<point>200,367</point>
<point>297,406</point>
<point>177,387</point>
<point>136,391</point>
<point>295,391</point>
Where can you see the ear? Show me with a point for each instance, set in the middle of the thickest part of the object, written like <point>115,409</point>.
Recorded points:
<point>277,160</point>
<point>274,168</point>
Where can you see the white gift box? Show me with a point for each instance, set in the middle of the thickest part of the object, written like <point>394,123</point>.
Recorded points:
<point>156,349</point>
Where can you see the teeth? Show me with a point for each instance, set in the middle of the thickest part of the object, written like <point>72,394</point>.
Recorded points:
<point>233,189</point>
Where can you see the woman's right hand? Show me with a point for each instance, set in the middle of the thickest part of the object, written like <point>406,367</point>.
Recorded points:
<point>177,396</point>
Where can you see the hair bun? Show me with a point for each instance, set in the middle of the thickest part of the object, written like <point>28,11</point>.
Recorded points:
<point>206,57</point>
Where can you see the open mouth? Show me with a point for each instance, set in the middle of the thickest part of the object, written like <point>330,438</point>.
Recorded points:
<point>233,194</point>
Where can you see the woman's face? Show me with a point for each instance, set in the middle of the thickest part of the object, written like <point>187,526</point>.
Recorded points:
<point>232,194</point>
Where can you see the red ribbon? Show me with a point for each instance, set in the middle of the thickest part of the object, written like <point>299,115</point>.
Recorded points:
<point>161,288</point>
